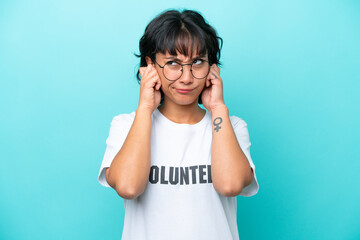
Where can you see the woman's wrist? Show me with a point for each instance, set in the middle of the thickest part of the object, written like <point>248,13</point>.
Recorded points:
<point>219,109</point>
<point>144,111</point>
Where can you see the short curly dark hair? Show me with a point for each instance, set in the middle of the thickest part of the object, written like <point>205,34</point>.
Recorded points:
<point>172,31</point>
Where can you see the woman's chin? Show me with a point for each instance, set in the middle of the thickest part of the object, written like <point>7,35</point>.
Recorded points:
<point>183,101</point>
<point>186,102</point>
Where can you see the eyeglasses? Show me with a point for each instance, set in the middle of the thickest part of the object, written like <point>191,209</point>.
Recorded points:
<point>173,70</point>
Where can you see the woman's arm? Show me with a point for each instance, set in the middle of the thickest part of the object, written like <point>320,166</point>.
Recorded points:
<point>129,171</point>
<point>230,169</point>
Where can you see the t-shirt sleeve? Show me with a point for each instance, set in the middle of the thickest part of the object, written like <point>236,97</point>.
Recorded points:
<point>119,128</point>
<point>242,135</point>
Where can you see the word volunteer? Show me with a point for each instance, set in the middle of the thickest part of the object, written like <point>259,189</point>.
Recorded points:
<point>180,175</point>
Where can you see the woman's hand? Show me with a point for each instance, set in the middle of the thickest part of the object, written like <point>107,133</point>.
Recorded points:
<point>212,95</point>
<point>150,84</point>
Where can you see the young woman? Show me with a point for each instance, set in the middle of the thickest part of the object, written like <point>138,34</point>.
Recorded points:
<point>179,167</point>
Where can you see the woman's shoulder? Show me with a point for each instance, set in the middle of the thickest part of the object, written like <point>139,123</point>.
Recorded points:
<point>237,121</point>
<point>123,118</point>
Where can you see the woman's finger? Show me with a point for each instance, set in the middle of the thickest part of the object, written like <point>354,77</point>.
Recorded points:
<point>158,84</point>
<point>215,72</point>
<point>141,70</point>
<point>208,81</point>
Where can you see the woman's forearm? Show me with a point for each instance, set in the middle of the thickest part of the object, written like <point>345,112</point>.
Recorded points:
<point>230,168</point>
<point>129,171</point>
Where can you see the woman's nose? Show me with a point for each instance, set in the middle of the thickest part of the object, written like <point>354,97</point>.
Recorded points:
<point>186,75</point>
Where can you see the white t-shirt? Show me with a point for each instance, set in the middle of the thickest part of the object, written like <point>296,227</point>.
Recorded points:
<point>179,201</point>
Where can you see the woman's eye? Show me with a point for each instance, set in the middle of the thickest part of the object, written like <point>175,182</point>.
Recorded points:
<point>172,63</point>
<point>198,61</point>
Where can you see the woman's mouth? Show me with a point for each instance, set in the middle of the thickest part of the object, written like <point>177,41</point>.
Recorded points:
<point>183,90</point>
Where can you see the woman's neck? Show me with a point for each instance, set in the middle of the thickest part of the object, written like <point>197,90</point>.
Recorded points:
<point>189,114</point>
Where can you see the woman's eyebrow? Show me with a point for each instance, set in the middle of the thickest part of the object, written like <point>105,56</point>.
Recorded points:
<point>173,58</point>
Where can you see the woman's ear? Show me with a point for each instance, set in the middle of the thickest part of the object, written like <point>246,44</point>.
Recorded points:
<point>148,60</point>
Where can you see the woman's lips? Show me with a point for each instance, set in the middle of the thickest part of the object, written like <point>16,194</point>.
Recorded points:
<point>183,90</point>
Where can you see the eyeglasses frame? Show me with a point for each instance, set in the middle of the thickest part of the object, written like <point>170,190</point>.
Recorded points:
<point>182,68</point>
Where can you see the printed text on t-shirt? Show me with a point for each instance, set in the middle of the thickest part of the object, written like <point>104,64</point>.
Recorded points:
<point>180,175</point>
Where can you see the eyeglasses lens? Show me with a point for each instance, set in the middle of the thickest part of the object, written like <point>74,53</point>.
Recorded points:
<point>173,71</point>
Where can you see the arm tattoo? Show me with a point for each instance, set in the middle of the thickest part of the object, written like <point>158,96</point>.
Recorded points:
<point>217,124</point>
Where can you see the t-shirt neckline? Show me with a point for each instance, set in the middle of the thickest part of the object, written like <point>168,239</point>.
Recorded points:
<point>167,121</point>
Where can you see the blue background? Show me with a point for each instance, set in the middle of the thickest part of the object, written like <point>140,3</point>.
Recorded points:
<point>290,70</point>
